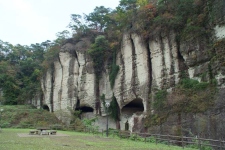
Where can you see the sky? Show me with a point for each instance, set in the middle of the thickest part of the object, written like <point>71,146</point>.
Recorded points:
<point>28,22</point>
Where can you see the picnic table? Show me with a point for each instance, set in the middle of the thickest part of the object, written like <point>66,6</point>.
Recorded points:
<point>46,131</point>
<point>42,128</point>
<point>43,131</point>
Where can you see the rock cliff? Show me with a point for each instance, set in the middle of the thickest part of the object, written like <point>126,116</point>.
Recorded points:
<point>144,68</point>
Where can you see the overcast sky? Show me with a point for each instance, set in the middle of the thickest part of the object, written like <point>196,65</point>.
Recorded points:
<point>34,21</point>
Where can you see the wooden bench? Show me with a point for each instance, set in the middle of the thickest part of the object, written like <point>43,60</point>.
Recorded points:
<point>52,132</point>
<point>32,132</point>
<point>44,132</point>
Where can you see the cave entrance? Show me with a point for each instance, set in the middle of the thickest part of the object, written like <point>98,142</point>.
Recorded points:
<point>45,107</point>
<point>134,106</point>
<point>85,109</point>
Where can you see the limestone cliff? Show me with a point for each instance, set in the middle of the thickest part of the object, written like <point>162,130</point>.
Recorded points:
<point>144,68</point>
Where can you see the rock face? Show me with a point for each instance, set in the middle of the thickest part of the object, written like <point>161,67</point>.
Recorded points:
<point>144,68</point>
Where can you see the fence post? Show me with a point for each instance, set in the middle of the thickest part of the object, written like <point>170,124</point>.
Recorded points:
<point>168,138</point>
<point>156,139</point>
<point>220,144</point>
<point>182,141</point>
<point>199,143</point>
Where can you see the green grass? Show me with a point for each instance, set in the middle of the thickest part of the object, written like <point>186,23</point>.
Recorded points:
<point>9,140</point>
<point>21,116</point>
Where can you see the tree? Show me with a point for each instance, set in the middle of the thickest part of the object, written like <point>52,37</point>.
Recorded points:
<point>62,36</point>
<point>99,18</point>
<point>128,4</point>
<point>126,13</point>
<point>98,53</point>
<point>142,3</point>
<point>20,71</point>
<point>77,25</point>
<point>8,82</point>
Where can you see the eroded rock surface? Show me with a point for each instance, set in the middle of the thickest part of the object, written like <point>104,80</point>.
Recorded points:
<point>144,69</point>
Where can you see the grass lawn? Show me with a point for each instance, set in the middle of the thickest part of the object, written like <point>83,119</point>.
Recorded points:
<point>9,140</point>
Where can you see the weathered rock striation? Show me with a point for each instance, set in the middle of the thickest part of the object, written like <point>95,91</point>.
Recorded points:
<point>144,68</point>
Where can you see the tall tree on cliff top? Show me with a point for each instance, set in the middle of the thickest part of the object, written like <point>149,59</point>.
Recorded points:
<point>77,24</point>
<point>99,18</point>
<point>126,13</point>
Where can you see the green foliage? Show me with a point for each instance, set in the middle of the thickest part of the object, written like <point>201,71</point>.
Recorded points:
<point>193,84</point>
<point>160,106</point>
<point>135,137</point>
<point>114,71</point>
<point>203,146</point>
<point>77,26</point>
<point>20,71</point>
<point>160,99</point>
<point>56,127</point>
<point>128,4</point>
<point>114,109</point>
<point>102,98</point>
<point>76,123</point>
<point>189,96</point>
<point>50,56</point>
<point>99,18</point>
<point>152,139</point>
<point>98,52</point>
<point>75,116</point>
<point>89,123</point>
<point>188,18</point>
<point>188,83</point>
<point>216,8</point>
<point>219,53</point>
<point>191,31</point>
<point>26,116</point>
<point>62,36</point>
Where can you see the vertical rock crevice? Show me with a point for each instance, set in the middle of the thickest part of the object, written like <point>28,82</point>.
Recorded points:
<point>70,81</point>
<point>60,92</point>
<point>172,67</point>
<point>52,88</point>
<point>181,61</point>
<point>173,71</point>
<point>149,60</point>
<point>97,99</point>
<point>163,71</point>
<point>122,82</point>
<point>134,78</point>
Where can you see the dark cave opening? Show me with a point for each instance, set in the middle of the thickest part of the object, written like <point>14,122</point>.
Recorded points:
<point>45,107</point>
<point>134,106</point>
<point>85,109</point>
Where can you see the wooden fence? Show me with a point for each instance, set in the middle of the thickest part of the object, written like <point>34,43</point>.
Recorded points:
<point>199,143</point>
